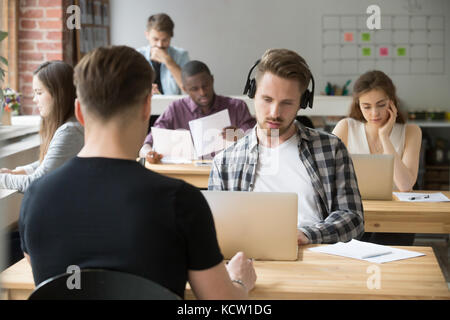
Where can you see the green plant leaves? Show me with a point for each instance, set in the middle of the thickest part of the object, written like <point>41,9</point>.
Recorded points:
<point>3,35</point>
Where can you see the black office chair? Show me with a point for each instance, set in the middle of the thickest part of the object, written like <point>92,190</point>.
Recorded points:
<point>100,284</point>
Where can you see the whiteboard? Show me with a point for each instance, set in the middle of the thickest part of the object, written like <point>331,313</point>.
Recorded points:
<point>230,35</point>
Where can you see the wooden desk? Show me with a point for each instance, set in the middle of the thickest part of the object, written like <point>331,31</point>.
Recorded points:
<point>10,202</point>
<point>313,276</point>
<point>407,217</point>
<point>196,175</point>
<point>380,216</point>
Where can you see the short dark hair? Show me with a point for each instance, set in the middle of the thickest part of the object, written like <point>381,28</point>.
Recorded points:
<point>109,80</point>
<point>192,68</point>
<point>161,22</point>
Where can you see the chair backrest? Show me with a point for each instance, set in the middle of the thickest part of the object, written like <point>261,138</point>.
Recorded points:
<point>100,284</point>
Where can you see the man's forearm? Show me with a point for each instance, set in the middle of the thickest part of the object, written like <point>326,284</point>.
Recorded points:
<point>175,70</point>
<point>338,226</point>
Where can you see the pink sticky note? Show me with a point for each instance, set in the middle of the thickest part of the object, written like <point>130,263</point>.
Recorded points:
<point>348,37</point>
<point>384,52</point>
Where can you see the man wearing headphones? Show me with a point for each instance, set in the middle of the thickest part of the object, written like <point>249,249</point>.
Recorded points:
<point>281,155</point>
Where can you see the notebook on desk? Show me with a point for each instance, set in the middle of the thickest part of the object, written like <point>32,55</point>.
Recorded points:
<point>375,175</point>
<point>262,225</point>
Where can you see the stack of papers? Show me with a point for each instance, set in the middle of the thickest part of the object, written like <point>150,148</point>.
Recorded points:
<point>366,251</point>
<point>207,132</point>
<point>175,145</point>
<point>421,197</point>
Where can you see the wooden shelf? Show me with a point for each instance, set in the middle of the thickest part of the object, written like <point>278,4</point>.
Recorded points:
<point>88,37</point>
<point>437,167</point>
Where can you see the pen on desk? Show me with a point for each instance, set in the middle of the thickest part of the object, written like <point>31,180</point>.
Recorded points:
<point>419,197</point>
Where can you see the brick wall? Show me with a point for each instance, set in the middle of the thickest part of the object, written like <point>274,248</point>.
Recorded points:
<point>40,39</point>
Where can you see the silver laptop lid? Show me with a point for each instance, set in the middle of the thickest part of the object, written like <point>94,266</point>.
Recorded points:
<point>375,175</point>
<point>263,225</point>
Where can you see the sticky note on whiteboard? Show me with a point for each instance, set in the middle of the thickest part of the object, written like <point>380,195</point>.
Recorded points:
<point>366,52</point>
<point>348,37</point>
<point>384,52</point>
<point>401,52</point>
<point>365,36</point>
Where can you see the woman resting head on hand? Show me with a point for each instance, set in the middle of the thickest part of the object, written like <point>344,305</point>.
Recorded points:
<point>375,125</point>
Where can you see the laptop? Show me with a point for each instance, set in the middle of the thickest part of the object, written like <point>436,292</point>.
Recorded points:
<point>261,224</point>
<point>375,175</point>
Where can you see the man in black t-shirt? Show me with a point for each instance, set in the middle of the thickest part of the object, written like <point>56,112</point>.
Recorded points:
<point>104,210</point>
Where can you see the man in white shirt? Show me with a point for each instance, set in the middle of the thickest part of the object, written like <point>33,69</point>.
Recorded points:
<point>281,155</point>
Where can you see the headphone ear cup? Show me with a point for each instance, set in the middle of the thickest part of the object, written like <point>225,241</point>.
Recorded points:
<point>252,89</point>
<point>305,99</point>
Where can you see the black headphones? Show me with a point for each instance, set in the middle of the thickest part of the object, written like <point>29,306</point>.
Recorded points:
<point>305,102</point>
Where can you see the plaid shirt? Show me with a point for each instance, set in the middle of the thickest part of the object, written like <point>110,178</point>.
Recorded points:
<point>332,175</point>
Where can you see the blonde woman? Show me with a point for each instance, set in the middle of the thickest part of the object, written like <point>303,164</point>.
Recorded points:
<point>62,137</point>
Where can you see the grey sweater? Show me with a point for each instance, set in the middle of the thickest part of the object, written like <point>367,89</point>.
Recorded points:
<point>65,144</point>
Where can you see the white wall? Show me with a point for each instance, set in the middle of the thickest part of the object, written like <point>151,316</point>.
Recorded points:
<point>229,35</point>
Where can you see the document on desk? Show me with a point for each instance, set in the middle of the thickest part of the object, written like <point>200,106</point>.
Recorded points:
<point>366,251</point>
<point>421,197</point>
<point>206,132</point>
<point>175,145</point>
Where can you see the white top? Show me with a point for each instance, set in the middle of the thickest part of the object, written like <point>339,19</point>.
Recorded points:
<point>65,144</point>
<point>281,170</point>
<point>357,139</point>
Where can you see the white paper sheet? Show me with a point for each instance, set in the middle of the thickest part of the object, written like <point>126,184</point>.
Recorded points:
<point>175,145</point>
<point>206,132</point>
<point>421,197</point>
<point>366,251</point>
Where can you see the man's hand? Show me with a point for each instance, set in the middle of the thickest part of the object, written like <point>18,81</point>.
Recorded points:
<point>15,171</point>
<point>153,157</point>
<point>159,55</point>
<point>301,238</point>
<point>241,268</point>
<point>155,89</point>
